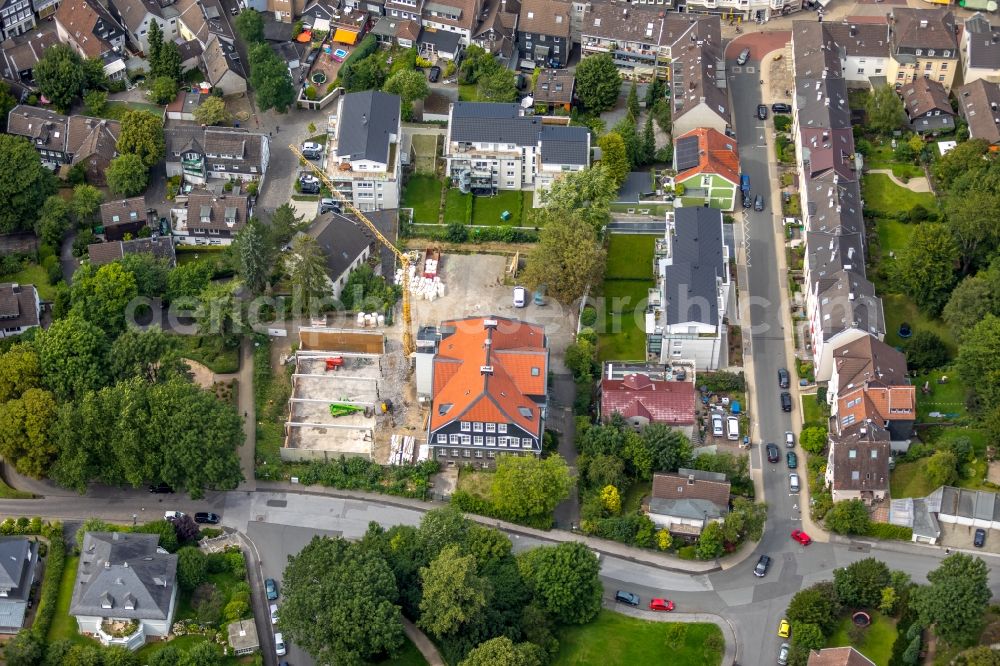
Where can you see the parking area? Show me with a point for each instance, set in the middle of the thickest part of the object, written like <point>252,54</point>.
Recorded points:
<point>960,537</point>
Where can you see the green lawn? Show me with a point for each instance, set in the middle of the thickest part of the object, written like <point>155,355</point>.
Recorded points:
<point>893,235</point>
<point>630,257</point>
<point>215,258</point>
<point>272,388</point>
<point>883,195</point>
<point>408,656</point>
<point>36,275</point>
<point>613,640</point>
<point>468,92</point>
<point>6,492</point>
<point>63,624</point>
<point>623,337</point>
<point>211,351</point>
<point>908,480</point>
<point>898,308</point>
<point>881,157</point>
<point>117,110</point>
<point>877,641</point>
<point>656,210</point>
<point>457,207</point>
<point>487,210</point>
<point>476,483</point>
<point>948,398</point>
<point>812,412</point>
<point>632,500</point>
<point>423,195</point>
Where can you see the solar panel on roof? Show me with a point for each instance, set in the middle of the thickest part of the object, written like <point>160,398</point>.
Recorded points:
<point>687,153</point>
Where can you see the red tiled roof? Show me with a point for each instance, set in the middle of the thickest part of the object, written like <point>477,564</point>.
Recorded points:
<point>716,154</point>
<point>672,403</point>
<point>513,350</point>
<point>839,656</point>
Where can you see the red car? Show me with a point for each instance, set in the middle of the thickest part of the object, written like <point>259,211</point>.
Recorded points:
<point>801,537</point>
<point>661,605</point>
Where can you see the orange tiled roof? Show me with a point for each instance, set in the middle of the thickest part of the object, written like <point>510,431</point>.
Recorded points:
<point>881,404</point>
<point>462,390</point>
<point>716,154</point>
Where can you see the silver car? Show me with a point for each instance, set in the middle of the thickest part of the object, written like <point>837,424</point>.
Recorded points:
<point>783,654</point>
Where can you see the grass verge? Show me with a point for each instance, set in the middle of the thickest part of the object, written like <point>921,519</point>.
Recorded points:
<point>614,639</point>
<point>63,624</point>
<point>6,492</point>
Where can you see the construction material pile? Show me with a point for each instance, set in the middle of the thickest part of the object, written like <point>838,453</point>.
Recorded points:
<point>421,287</point>
<point>401,449</point>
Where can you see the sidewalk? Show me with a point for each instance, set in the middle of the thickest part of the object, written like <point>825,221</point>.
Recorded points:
<point>422,643</point>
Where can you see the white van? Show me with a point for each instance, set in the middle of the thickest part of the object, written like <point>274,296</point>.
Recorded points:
<point>732,427</point>
<point>717,425</point>
<point>520,296</point>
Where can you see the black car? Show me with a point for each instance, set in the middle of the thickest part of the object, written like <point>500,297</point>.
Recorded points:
<point>747,200</point>
<point>310,188</point>
<point>786,401</point>
<point>783,378</point>
<point>630,598</point>
<point>763,564</point>
<point>160,488</point>
<point>433,74</point>
<point>311,58</point>
<point>758,203</point>
<point>772,453</point>
<point>206,517</point>
<point>980,539</point>
<point>762,111</point>
<point>779,107</point>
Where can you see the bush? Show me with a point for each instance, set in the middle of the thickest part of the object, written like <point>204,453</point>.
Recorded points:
<point>687,552</point>
<point>236,610</point>
<point>216,563</point>
<point>207,603</point>
<point>367,47</point>
<point>588,317</point>
<point>782,123</point>
<point>723,382</point>
<point>360,474</point>
<point>191,568</point>
<point>237,563</point>
<point>469,503</point>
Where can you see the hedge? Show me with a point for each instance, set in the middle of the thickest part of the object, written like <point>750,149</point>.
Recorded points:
<point>367,47</point>
<point>54,565</point>
<point>500,233</point>
<point>360,474</point>
<point>887,531</point>
<point>469,503</point>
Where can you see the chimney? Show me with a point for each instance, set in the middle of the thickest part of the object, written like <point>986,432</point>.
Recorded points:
<point>125,564</point>
<point>923,23</point>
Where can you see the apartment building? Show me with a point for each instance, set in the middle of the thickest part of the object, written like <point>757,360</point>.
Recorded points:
<point>544,34</point>
<point>363,158</point>
<point>924,43</point>
<point>201,154</point>
<point>980,50</point>
<point>88,28</point>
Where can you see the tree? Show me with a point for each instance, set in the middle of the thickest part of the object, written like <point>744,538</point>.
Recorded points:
<point>502,651</point>
<point>142,135</point>
<point>305,266</point>
<point>817,604</point>
<point>586,193</point>
<point>170,64</point>
<point>813,439</point>
<point>888,601</point>
<point>529,487</point>
<point>925,351</point>
<point>808,636</point>
<point>670,448</point>
<point>163,90</point>
<point>647,143</point>
<point>598,83</point>
<point>710,543</point>
<point>941,469</point>
<point>975,297</point>
<point>85,204</point>
<point>285,224</point>
<point>602,471</point>
<point>220,311</point>
<point>340,602</point>
<point>968,157</point>
<point>270,79</point>
<point>26,438</point>
<point>155,41</point>
<point>956,598</point>
<point>95,102</point>
<point>745,520</point>
<point>626,129</point>
<point>453,593</point>
<point>205,653</point>
<point>250,26</point>
<point>255,256</point>
<point>632,103</point>
<point>53,221</point>
<point>365,74</point>
<point>25,649</point>
<point>187,530</point>
<point>580,358</point>
<point>848,517</point>
<point>212,111</point>
<point>884,109</point>
<point>19,371</point>
<point>61,75</point>
<point>611,500</point>
<point>127,175</point>
<point>165,530</point>
<point>978,360</point>
<point>498,86</point>
<point>410,85</point>
<point>72,355</point>
<point>925,268</point>
<point>191,569</point>
<point>564,581</point>
<point>860,584</point>
<point>972,207</point>
<point>24,183</point>
<point>101,295</point>
<point>567,257</point>
<point>981,655</point>
<point>613,156</point>
<point>188,280</point>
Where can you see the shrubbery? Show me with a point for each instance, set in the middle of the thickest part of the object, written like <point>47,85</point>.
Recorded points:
<point>54,566</point>
<point>360,474</point>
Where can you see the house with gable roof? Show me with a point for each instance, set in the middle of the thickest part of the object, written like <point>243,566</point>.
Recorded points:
<point>18,562</point>
<point>708,166</point>
<point>685,502</point>
<point>487,381</point>
<point>201,154</point>
<point>641,400</point>
<point>20,308</point>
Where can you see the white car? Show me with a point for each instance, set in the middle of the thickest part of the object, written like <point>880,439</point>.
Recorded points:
<point>274,613</point>
<point>790,439</point>
<point>793,482</point>
<point>717,427</point>
<point>279,645</point>
<point>312,147</point>
<point>520,297</point>
<point>172,515</point>
<point>732,427</point>
<point>305,178</point>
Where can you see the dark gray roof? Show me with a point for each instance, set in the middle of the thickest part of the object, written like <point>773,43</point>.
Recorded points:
<point>692,509</point>
<point>702,475</point>
<point>564,145</point>
<point>834,205</point>
<point>17,305</point>
<point>691,281</point>
<point>123,568</point>
<point>822,103</point>
<point>483,122</point>
<point>686,153</point>
<point>366,124</point>
<point>161,247</point>
<point>832,252</point>
<point>847,300</point>
<point>448,42</point>
<point>15,556</point>
<point>984,43</point>
<point>979,103</point>
<point>387,222</point>
<point>342,238</point>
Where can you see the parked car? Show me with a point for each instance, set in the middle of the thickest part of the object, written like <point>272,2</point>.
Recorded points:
<point>980,539</point>
<point>793,482</point>
<point>279,645</point>
<point>783,378</point>
<point>311,58</point>
<point>801,537</point>
<point>762,111</point>
<point>763,564</point>
<point>274,613</point>
<point>780,107</point>
<point>661,605</point>
<point>789,439</point>
<point>160,488</point>
<point>173,515</point>
<point>520,297</point>
<point>758,203</point>
<point>772,453</point>
<point>783,654</point>
<point>312,147</point>
<point>743,57</point>
<point>206,517</point>
<point>433,74</point>
<point>270,589</point>
<point>747,199</point>
<point>786,401</point>
<point>732,427</point>
<point>310,188</point>
<point>630,598</point>
<point>792,460</point>
<point>327,205</point>
<point>784,629</point>
<point>717,426</point>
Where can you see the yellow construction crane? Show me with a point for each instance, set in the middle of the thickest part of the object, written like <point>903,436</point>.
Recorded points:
<point>404,260</point>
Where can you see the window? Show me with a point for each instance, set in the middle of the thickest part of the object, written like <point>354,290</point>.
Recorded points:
<point>526,443</point>
<point>855,476</point>
<point>479,454</point>
<point>676,352</point>
<point>466,426</point>
<point>491,454</point>
<point>501,427</point>
<point>928,66</point>
<point>466,440</point>
<point>847,420</point>
<point>678,343</point>
<point>874,453</point>
<point>853,453</point>
<point>454,453</point>
<point>491,427</point>
<point>466,453</point>
<point>930,52</point>
<point>535,372</point>
<point>453,439</point>
<point>491,441</point>
<point>901,75</point>
<point>477,440</point>
<point>944,66</point>
<point>477,427</point>
<point>919,52</point>
<point>861,70</point>
<point>218,167</point>
<point>878,70</point>
<point>941,79</point>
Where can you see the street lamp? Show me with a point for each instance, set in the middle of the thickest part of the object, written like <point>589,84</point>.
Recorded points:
<point>134,518</point>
